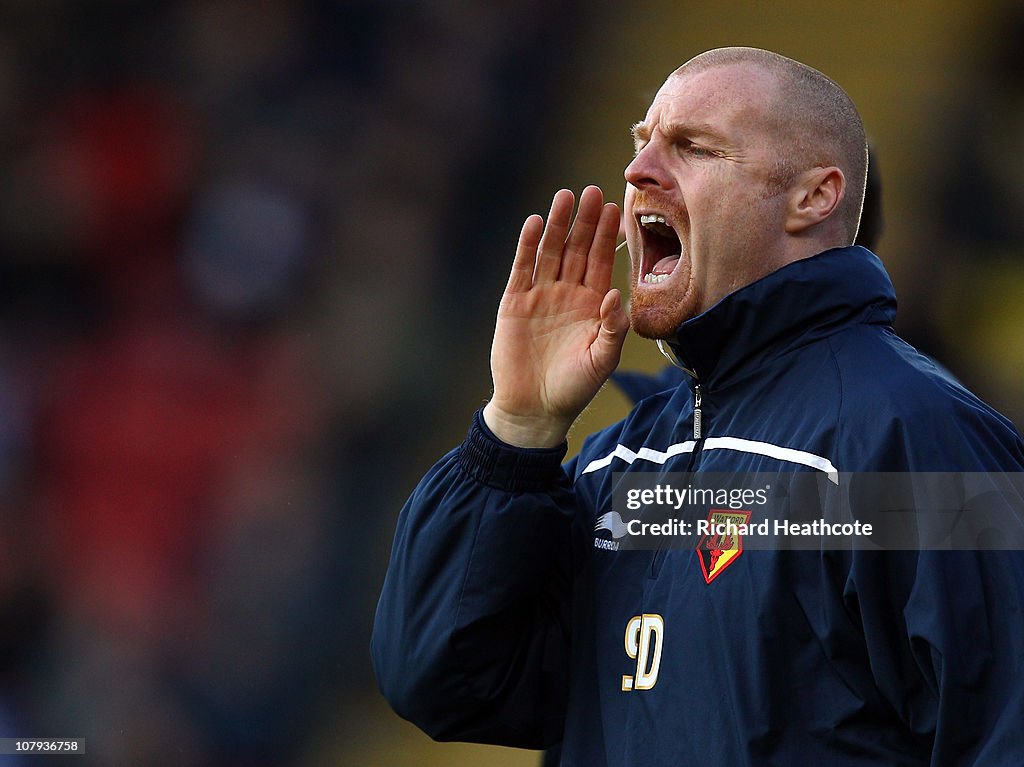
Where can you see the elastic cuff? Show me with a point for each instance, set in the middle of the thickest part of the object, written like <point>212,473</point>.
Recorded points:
<point>515,469</point>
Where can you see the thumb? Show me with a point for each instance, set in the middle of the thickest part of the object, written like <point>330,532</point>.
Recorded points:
<point>607,346</point>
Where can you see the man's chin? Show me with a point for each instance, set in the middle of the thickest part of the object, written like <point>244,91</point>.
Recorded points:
<point>655,322</point>
<point>657,311</point>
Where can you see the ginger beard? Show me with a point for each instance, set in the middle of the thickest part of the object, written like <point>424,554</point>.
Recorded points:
<point>657,308</point>
<point>678,272</point>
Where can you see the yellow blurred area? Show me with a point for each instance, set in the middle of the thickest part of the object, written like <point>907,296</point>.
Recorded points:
<point>375,737</point>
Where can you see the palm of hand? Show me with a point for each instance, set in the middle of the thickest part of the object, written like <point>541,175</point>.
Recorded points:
<point>560,326</point>
<point>543,342</point>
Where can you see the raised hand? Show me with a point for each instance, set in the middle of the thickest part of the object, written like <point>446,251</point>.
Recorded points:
<point>560,326</point>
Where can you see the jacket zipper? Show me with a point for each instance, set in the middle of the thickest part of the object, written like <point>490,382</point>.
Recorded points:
<point>696,414</point>
<point>698,435</point>
<point>673,358</point>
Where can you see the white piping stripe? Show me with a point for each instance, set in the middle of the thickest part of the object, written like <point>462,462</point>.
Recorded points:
<point>643,454</point>
<point>718,443</point>
<point>774,451</point>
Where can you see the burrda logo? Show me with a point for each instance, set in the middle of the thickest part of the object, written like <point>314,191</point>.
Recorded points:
<point>613,523</point>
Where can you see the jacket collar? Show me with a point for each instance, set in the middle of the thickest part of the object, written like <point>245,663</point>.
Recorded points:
<point>799,303</point>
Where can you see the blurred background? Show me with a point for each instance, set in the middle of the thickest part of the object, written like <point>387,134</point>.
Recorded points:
<point>250,254</point>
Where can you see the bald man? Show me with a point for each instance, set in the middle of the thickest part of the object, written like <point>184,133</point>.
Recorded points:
<point>523,606</point>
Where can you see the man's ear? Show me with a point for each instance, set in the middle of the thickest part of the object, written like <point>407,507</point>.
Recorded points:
<point>813,198</point>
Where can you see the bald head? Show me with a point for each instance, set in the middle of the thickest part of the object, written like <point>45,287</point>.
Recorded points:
<point>812,118</point>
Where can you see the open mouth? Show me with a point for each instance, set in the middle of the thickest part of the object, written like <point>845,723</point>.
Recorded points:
<point>661,248</point>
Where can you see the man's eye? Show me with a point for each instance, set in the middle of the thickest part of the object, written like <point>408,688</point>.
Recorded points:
<point>695,150</point>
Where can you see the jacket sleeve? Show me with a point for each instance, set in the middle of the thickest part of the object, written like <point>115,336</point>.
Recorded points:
<point>971,653</point>
<point>945,628</point>
<point>470,640</point>
<point>947,655</point>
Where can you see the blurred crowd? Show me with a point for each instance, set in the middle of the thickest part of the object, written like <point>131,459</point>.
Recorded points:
<point>234,237</point>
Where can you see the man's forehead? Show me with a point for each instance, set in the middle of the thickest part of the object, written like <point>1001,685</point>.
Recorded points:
<point>728,90</point>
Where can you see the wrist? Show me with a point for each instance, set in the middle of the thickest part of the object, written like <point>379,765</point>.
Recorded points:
<point>525,431</point>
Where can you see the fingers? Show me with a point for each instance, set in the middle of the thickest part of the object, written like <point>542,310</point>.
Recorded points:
<point>602,250</point>
<point>553,251</point>
<point>581,236</point>
<point>521,278</point>
<point>607,348</point>
<point>552,243</point>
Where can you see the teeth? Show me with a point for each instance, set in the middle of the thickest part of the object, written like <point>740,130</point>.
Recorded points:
<point>654,279</point>
<point>655,222</point>
<point>651,218</point>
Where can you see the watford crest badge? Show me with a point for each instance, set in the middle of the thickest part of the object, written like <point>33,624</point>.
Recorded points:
<point>720,547</point>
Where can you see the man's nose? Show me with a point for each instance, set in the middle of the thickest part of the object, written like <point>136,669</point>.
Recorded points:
<point>647,168</point>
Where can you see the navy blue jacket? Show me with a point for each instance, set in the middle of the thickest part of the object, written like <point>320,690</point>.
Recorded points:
<point>503,621</point>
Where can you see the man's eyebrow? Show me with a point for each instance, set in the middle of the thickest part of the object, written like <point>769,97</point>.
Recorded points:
<point>694,131</point>
<point>641,131</point>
